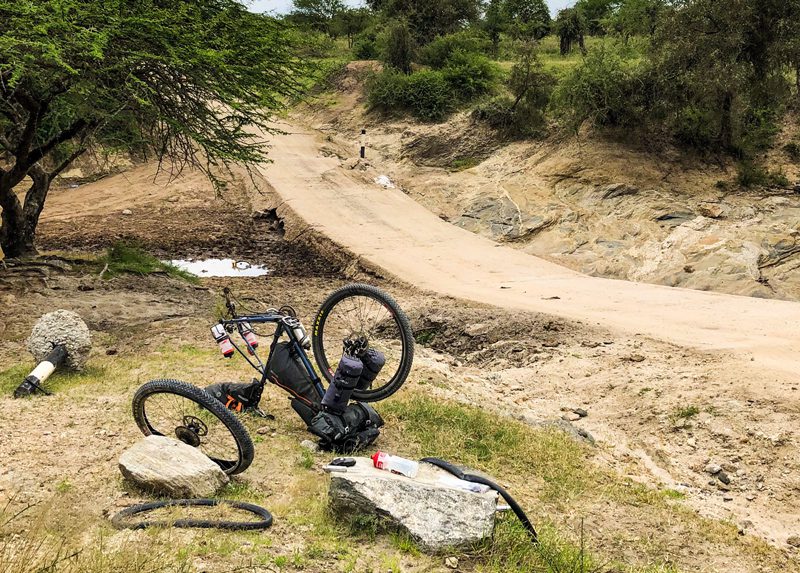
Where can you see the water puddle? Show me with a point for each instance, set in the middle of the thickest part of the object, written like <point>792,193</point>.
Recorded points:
<point>220,268</point>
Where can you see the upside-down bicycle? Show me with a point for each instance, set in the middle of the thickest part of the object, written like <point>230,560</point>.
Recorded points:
<point>357,320</point>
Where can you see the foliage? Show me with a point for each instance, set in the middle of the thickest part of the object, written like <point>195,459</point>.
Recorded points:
<point>350,22</point>
<point>189,82</point>
<point>317,14</point>
<point>425,94</point>
<point>528,19</point>
<point>531,86</point>
<point>724,63</point>
<point>438,52</point>
<point>494,24</point>
<point>637,17</point>
<point>570,27</point>
<point>399,47</point>
<point>469,75</point>
<point>428,19</point>
<point>365,47</point>
<point>596,13</point>
<point>605,91</point>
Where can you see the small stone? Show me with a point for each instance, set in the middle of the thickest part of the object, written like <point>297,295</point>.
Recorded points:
<point>750,496</point>
<point>713,469</point>
<point>476,329</point>
<point>111,352</point>
<point>571,417</point>
<point>744,526</point>
<point>451,562</point>
<point>581,412</point>
<point>636,358</point>
<point>691,442</point>
<point>793,540</point>
<point>127,212</point>
<point>309,445</point>
<point>727,497</point>
<point>174,199</point>
<point>723,477</point>
<point>263,430</point>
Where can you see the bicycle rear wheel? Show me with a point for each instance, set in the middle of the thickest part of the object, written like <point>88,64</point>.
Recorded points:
<point>360,310</point>
<point>190,414</point>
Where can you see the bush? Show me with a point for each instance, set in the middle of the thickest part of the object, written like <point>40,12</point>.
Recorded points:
<point>470,75</point>
<point>604,90</point>
<point>399,47</point>
<point>425,94</point>
<point>696,127</point>
<point>753,175</point>
<point>365,47</point>
<point>438,52</point>
<point>531,86</point>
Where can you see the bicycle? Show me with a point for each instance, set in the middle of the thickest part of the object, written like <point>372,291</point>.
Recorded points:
<point>354,322</point>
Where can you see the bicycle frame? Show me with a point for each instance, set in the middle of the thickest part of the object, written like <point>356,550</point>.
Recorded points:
<point>284,325</point>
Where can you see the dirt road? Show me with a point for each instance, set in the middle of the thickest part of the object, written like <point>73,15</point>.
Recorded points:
<point>390,230</point>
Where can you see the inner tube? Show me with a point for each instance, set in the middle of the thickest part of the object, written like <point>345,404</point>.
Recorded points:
<point>120,520</point>
<point>460,474</point>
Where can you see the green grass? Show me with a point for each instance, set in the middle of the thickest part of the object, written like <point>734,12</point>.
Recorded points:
<point>685,412</point>
<point>61,380</point>
<point>464,163</point>
<point>127,258</point>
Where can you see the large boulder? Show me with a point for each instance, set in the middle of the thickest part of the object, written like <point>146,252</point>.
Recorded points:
<point>166,466</point>
<point>437,515</point>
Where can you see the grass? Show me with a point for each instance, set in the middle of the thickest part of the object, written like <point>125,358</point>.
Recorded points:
<point>464,163</point>
<point>685,412</point>
<point>127,258</point>
<point>555,478</point>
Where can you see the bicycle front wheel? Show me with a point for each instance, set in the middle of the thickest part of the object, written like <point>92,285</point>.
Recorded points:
<point>190,414</point>
<point>360,310</point>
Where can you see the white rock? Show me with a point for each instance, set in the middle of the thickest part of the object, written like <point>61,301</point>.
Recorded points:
<point>713,469</point>
<point>127,212</point>
<point>309,445</point>
<point>436,516</point>
<point>61,327</point>
<point>169,467</point>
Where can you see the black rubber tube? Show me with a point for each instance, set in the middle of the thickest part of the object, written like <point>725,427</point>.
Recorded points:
<point>119,520</point>
<point>460,474</point>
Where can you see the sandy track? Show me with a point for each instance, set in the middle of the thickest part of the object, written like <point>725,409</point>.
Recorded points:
<point>391,231</point>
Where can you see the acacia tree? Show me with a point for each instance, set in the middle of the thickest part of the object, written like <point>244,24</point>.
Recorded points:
<point>530,19</point>
<point>188,81</point>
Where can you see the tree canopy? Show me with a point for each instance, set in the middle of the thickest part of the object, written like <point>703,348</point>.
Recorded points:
<point>185,81</point>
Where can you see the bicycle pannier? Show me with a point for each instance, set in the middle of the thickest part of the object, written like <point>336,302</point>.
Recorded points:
<point>287,371</point>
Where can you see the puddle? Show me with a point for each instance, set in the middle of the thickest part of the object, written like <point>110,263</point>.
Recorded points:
<point>220,268</point>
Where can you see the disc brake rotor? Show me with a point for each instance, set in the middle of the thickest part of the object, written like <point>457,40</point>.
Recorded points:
<point>191,431</point>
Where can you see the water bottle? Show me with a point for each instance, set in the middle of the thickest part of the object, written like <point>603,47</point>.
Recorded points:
<point>224,341</point>
<point>395,464</point>
<point>249,337</point>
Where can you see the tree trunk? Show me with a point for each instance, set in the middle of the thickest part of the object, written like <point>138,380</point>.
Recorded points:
<point>726,122</point>
<point>18,228</point>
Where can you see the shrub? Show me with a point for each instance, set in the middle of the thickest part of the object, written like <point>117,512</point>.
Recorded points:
<point>752,175</point>
<point>531,86</point>
<point>399,47</point>
<point>696,127</point>
<point>604,90</point>
<point>438,52</point>
<point>470,75</point>
<point>425,94</point>
<point>365,47</point>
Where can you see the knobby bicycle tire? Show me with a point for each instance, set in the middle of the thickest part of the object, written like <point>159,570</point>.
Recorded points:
<point>205,400</point>
<point>406,336</point>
